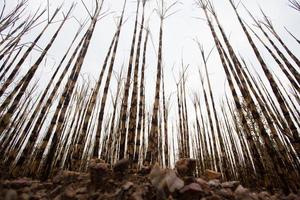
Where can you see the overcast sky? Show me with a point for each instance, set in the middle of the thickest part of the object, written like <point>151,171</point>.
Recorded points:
<point>180,31</point>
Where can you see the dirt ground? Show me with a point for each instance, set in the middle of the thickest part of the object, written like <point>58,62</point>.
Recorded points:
<point>119,182</point>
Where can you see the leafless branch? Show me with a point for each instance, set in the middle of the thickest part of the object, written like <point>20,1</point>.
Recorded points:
<point>294,4</point>
<point>86,9</point>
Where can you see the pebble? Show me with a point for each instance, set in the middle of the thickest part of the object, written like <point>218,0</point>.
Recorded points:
<point>191,191</point>
<point>158,184</point>
<point>98,171</point>
<point>230,184</point>
<point>11,195</point>
<point>211,175</point>
<point>215,183</point>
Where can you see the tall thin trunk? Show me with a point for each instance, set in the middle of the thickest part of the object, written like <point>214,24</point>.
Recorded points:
<point>124,108</point>
<point>25,55</point>
<point>106,86</point>
<point>152,152</point>
<point>134,97</point>
<point>20,89</point>
<point>275,89</point>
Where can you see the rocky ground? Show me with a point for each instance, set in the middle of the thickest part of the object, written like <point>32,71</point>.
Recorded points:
<point>122,183</point>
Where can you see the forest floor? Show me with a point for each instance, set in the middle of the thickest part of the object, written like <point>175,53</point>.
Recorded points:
<point>121,183</point>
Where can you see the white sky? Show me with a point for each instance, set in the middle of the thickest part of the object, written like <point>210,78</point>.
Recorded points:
<point>179,32</point>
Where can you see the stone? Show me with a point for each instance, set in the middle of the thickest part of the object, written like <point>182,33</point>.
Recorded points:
<point>240,189</point>
<point>215,184</point>
<point>121,166</point>
<point>25,190</point>
<point>186,167</point>
<point>56,191</point>
<point>242,193</point>
<point>203,183</point>
<point>264,196</point>
<point>156,175</point>
<point>226,193</point>
<point>127,185</point>
<point>65,177</point>
<point>25,196</point>
<point>172,181</point>
<point>69,193</point>
<point>145,170</point>
<point>36,186</point>
<point>291,196</point>
<point>230,184</point>
<point>210,175</point>
<point>41,194</point>
<point>188,179</point>
<point>19,183</point>
<point>191,191</point>
<point>98,171</point>
<point>165,181</point>
<point>11,195</point>
<point>138,194</point>
<point>58,197</point>
<point>275,197</point>
<point>214,197</point>
<point>81,197</point>
<point>81,190</point>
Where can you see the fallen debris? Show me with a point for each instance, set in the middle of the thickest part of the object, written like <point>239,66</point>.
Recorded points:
<point>102,183</point>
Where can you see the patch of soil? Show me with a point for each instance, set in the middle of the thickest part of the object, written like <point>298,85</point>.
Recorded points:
<point>121,183</point>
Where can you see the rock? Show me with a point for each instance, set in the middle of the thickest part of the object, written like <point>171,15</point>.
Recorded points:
<point>226,193</point>
<point>56,191</point>
<point>165,181</point>
<point>145,170</point>
<point>172,181</point>
<point>36,186</point>
<point>138,194</point>
<point>127,186</point>
<point>186,167</point>
<point>292,196</point>
<point>202,183</point>
<point>81,197</point>
<point>11,195</point>
<point>81,190</point>
<point>19,183</point>
<point>121,166</point>
<point>40,194</point>
<point>25,196</point>
<point>210,175</point>
<point>98,171</point>
<point>122,192</point>
<point>230,184</point>
<point>156,175</point>
<point>275,197</point>
<point>69,193</point>
<point>25,190</point>
<point>191,191</point>
<point>264,196</point>
<point>58,197</point>
<point>65,177</point>
<point>240,189</point>
<point>215,184</point>
<point>188,180</point>
<point>159,184</point>
<point>43,186</point>
<point>213,197</point>
<point>242,193</point>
